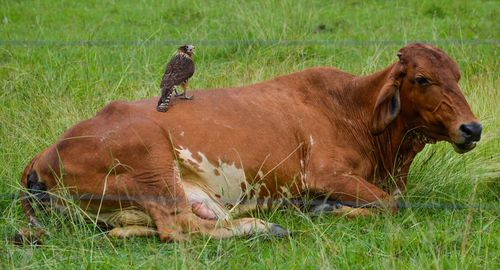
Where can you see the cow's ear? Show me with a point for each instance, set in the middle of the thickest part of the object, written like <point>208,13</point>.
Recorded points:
<point>388,104</point>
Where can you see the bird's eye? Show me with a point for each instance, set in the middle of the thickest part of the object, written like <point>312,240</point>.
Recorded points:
<point>421,81</point>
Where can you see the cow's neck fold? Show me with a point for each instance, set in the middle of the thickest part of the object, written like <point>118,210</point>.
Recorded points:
<point>392,151</point>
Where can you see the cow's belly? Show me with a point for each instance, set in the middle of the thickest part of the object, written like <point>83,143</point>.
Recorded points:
<point>221,180</point>
<point>221,187</point>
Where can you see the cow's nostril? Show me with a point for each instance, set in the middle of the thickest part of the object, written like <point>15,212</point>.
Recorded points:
<point>471,132</point>
<point>465,131</point>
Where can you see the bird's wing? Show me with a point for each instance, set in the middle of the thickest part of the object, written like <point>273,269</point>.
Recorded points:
<point>179,69</point>
<point>182,70</point>
<point>171,66</point>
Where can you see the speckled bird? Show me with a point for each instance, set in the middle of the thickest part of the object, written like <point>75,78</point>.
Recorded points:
<point>179,70</point>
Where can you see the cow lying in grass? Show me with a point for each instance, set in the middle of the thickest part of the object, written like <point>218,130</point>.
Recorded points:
<point>319,131</point>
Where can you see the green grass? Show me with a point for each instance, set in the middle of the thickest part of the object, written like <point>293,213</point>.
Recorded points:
<point>47,88</point>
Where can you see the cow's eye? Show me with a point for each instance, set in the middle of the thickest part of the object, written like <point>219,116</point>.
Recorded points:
<point>421,81</point>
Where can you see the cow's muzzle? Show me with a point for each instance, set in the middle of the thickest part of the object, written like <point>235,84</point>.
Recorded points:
<point>470,133</point>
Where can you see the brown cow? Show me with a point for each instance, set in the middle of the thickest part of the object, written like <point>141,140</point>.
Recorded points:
<point>320,131</point>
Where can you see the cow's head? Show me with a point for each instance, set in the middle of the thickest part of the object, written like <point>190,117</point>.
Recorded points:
<point>423,90</point>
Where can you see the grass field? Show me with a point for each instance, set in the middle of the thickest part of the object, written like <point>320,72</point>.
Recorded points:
<point>48,86</point>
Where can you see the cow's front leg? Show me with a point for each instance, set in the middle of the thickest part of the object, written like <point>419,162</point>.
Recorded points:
<point>356,196</point>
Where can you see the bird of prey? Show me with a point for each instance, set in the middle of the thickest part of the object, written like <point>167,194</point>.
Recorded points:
<point>178,71</point>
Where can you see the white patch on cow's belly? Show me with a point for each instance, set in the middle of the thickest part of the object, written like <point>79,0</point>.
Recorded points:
<point>195,193</point>
<point>226,182</point>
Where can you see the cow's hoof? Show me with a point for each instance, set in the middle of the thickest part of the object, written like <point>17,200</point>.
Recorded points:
<point>278,231</point>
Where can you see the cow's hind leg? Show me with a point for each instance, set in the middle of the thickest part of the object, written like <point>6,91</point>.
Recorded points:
<point>191,224</point>
<point>179,223</point>
<point>131,231</point>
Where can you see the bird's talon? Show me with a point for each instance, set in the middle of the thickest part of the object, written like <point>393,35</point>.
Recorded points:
<point>162,107</point>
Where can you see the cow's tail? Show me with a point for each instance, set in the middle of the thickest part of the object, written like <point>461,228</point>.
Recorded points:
<point>33,191</point>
